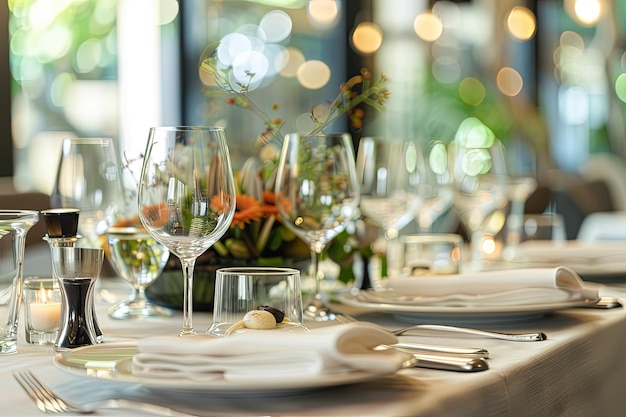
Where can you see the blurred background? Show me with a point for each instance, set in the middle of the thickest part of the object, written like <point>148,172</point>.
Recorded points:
<point>547,76</point>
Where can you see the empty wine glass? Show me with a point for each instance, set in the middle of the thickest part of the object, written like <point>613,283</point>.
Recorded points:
<point>479,176</point>
<point>392,180</point>
<point>438,193</point>
<point>187,196</point>
<point>88,179</point>
<point>392,177</point>
<point>317,193</point>
<point>138,259</point>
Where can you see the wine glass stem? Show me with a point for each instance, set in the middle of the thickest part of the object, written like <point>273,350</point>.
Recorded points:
<point>188,265</point>
<point>315,263</point>
<point>476,247</point>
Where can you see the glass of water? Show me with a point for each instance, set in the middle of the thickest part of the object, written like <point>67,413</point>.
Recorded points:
<point>138,259</point>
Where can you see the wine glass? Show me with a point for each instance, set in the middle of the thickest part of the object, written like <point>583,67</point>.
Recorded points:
<point>186,196</point>
<point>317,193</point>
<point>479,177</point>
<point>521,183</point>
<point>438,193</point>
<point>88,179</point>
<point>138,259</point>
<point>392,179</point>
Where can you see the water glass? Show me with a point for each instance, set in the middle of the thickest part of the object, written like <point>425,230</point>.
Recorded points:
<point>42,305</point>
<point>427,254</point>
<point>14,225</point>
<point>241,290</point>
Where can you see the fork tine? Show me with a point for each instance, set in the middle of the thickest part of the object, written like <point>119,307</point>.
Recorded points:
<point>34,395</point>
<point>45,399</point>
<point>55,400</point>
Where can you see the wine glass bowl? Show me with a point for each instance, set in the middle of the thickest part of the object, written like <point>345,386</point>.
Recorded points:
<point>317,194</point>
<point>392,175</point>
<point>88,179</point>
<point>479,177</point>
<point>186,196</point>
<point>138,259</point>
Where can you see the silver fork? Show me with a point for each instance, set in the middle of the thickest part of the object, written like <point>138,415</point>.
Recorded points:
<point>48,402</point>
<point>516,337</point>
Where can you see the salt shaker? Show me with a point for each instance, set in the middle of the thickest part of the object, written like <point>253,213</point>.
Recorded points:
<point>76,270</point>
<point>62,227</point>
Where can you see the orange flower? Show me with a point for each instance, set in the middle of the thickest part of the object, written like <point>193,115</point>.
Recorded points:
<point>219,202</point>
<point>248,210</point>
<point>156,214</point>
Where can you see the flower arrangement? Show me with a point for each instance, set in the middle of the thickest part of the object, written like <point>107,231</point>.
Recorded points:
<point>256,231</point>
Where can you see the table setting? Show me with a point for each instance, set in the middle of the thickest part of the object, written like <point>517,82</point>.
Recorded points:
<point>443,329</point>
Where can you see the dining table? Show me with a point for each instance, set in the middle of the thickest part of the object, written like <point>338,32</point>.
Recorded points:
<point>579,370</point>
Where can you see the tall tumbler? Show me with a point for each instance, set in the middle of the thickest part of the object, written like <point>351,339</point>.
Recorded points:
<point>76,270</point>
<point>14,225</point>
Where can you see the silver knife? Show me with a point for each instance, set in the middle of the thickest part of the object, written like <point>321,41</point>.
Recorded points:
<point>468,352</point>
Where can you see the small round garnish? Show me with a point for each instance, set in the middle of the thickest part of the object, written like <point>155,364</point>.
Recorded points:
<point>278,315</point>
<point>259,319</point>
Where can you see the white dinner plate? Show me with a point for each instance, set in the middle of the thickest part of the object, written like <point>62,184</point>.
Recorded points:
<point>112,361</point>
<point>464,314</point>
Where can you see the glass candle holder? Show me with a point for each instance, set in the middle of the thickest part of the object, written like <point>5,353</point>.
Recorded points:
<point>42,302</point>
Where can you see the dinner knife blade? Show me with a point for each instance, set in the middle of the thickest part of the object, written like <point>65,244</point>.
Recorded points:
<point>469,352</point>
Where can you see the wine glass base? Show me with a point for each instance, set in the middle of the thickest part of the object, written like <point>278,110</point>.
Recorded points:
<point>316,310</point>
<point>132,310</point>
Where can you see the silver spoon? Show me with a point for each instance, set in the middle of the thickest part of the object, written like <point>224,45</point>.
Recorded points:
<point>523,337</point>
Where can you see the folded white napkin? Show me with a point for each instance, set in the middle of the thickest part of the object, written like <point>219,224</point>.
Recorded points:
<point>259,355</point>
<point>502,287</point>
<point>586,258</point>
<point>572,252</point>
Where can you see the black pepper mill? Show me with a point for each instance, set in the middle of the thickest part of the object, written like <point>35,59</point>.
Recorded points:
<point>62,226</point>
<point>76,270</point>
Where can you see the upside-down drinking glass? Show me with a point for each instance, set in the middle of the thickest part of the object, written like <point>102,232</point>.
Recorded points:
<point>187,196</point>
<point>317,194</point>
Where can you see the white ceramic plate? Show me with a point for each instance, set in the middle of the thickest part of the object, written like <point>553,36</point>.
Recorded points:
<point>112,361</point>
<point>460,314</point>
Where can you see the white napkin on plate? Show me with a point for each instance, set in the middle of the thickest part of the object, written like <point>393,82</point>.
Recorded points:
<point>258,355</point>
<point>572,252</point>
<point>502,287</point>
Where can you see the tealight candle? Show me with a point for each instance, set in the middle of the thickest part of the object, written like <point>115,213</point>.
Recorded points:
<point>42,302</point>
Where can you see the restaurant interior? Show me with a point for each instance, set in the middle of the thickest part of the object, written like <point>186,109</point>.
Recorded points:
<point>536,85</point>
<point>547,76</point>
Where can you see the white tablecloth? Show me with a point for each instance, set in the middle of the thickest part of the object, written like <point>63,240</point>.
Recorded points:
<point>579,371</point>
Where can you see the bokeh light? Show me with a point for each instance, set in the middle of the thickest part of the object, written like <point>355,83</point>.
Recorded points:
<point>277,26</point>
<point>620,87</point>
<point>509,81</point>
<point>367,37</point>
<point>428,27</point>
<point>313,74</point>
<point>521,23</point>
<point>88,56</point>
<point>584,12</point>
<point>472,133</point>
<point>472,91</point>
<point>168,11</point>
<point>323,14</point>
<point>438,158</point>
<point>446,69</point>
<point>295,58</point>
